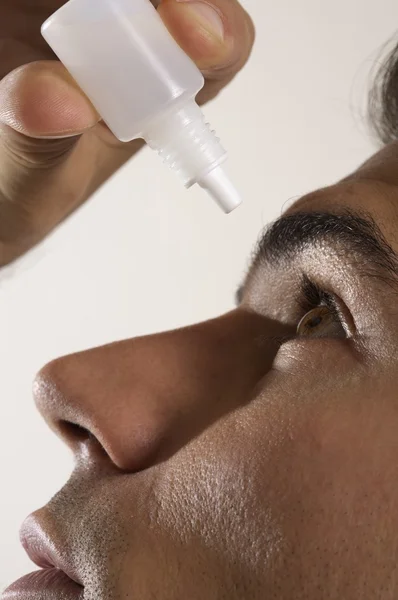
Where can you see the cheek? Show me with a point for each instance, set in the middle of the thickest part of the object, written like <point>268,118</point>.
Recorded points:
<point>214,503</point>
<point>334,474</point>
<point>340,507</point>
<point>308,470</point>
<point>350,448</point>
<point>303,477</point>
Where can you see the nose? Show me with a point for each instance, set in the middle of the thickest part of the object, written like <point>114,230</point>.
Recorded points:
<point>145,398</point>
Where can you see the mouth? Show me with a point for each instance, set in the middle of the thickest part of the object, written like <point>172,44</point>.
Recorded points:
<point>56,577</point>
<point>46,583</point>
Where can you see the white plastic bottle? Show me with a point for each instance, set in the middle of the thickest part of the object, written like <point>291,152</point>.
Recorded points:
<point>142,84</point>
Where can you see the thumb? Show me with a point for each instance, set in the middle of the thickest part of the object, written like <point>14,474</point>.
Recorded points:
<point>41,100</point>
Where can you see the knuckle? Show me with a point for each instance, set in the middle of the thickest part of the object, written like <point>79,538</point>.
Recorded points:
<point>32,155</point>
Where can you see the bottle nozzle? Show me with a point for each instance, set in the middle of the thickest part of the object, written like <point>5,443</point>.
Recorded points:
<point>191,149</point>
<point>219,186</point>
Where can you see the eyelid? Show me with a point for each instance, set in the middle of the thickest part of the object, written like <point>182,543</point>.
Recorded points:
<point>315,295</point>
<point>344,314</point>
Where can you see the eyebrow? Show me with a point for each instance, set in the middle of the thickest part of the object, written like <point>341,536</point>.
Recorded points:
<point>290,235</point>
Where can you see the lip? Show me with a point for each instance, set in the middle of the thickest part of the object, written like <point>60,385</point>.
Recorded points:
<point>42,548</point>
<point>47,583</point>
<point>57,577</point>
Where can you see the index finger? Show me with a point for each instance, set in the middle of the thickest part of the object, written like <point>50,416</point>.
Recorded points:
<point>217,34</point>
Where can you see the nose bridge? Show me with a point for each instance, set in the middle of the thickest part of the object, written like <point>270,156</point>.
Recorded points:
<point>144,398</point>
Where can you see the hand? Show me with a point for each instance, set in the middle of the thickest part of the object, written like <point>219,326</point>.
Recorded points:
<point>54,150</point>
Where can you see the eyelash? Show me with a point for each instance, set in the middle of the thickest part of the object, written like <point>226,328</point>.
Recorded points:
<point>312,296</point>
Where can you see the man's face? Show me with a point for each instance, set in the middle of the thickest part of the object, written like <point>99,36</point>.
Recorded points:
<point>252,456</point>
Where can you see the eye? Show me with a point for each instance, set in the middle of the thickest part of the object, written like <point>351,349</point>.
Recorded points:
<point>321,322</point>
<point>322,313</point>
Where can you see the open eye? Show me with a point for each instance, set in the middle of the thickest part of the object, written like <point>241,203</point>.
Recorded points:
<point>322,316</point>
<point>321,321</point>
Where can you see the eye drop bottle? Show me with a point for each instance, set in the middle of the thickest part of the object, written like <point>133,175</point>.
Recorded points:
<point>142,84</point>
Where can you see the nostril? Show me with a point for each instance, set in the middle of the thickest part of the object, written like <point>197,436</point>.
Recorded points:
<point>77,436</point>
<point>74,432</point>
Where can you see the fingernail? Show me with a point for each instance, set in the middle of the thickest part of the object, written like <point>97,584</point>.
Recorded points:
<point>207,16</point>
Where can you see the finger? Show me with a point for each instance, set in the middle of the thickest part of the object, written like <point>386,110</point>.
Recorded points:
<point>217,34</point>
<point>41,180</point>
<point>41,100</point>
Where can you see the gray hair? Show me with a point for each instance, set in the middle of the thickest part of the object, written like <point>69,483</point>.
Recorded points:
<point>383,99</point>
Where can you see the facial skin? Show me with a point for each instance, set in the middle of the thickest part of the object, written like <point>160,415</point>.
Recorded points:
<point>236,459</point>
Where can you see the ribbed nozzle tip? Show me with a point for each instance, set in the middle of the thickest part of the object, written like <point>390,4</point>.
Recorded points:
<point>219,186</point>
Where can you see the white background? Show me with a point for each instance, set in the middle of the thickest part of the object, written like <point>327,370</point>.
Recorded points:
<point>145,255</point>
